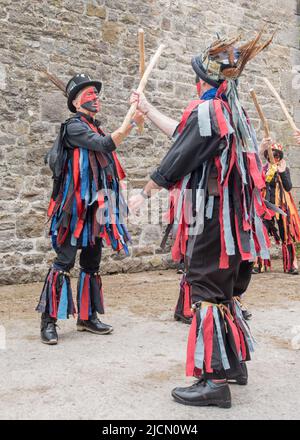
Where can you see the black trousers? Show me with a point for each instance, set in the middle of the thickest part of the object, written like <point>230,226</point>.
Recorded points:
<point>89,260</point>
<point>208,282</point>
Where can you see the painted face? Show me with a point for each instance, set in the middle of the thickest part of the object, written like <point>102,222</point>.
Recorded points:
<point>89,100</point>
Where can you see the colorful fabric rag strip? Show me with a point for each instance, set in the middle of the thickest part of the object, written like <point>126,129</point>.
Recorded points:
<point>56,297</point>
<point>184,305</point>
<point>89,295</point>
<point>219,338</point>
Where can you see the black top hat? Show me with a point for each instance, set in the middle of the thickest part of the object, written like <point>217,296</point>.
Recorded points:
<point>77,83</point>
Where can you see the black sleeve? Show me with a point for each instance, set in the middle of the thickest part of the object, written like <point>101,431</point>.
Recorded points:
<point>80,135</point>
<point>188,152</point>
<point>286,179</point>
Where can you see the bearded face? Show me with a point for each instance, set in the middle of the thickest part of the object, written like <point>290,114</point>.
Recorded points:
<point>89,100</point>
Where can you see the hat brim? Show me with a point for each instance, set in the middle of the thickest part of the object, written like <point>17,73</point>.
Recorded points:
<point>76,90</point>
<point>200,71</point>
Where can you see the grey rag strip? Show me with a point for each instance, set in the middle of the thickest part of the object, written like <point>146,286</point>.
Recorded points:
<point>199,351</point>
<point>252,246</point>
<point>209,207</point>
<point>224,163</point>
<point>199,226</point>
<point>227,119</point>
<point>229,241</point>
<point>264,252</point>
<point>241,165</point>
<point>242,128</point>
<point>204,119</point>
<point>244,327</point>
<point>224,357</point>
<point>180,204</point>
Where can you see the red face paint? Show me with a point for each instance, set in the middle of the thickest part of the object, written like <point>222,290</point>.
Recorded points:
<point>89,100</point>
<point>198,85</point>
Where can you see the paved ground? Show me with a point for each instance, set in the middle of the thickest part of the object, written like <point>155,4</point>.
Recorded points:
<point>129,374</point>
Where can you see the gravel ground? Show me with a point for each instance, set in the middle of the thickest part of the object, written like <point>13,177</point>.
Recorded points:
<point>129,374</point>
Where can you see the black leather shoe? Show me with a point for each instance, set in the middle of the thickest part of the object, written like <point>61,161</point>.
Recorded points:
<point>94,325</point>
<point>180,317</point>
<point>48,330</point>
<point>203,393</point>
<point>241,379</point>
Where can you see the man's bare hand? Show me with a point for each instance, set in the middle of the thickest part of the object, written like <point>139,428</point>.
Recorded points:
<point>142,103</point>
<point>135,203</point>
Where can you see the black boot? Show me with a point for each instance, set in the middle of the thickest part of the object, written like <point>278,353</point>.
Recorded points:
<point>203,393</point>
<point>48,330</point>
<point>94,325</point>
<point>240,379</point>
<point>179,317</point>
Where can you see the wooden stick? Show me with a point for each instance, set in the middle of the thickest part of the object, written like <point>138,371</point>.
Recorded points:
<point>142,52</point>
<point>264,122</point>
<point>282,105</point>
<point>260,112</point>
<point>142,65</point>
<point>142,86</point>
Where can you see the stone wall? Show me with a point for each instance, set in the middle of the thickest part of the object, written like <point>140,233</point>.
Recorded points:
<point>100,38</point>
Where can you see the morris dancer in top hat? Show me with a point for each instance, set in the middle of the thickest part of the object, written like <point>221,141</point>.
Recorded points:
<point>86,207</point>
<point>215,157</point>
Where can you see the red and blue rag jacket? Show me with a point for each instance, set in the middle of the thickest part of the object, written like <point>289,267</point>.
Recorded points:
<point>86,201</point>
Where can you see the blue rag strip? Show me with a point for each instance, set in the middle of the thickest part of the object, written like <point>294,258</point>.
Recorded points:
<point>62,312</point>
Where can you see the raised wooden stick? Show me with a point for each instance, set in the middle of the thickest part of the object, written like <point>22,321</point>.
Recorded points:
<point>142,52</point>
<point>264,122</point>
<point>260,112</point>
<point>142,64</point>
<point>282,105</point>
<point>142,86</point>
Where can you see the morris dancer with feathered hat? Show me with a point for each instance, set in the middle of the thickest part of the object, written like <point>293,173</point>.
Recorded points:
<point>215,179</point>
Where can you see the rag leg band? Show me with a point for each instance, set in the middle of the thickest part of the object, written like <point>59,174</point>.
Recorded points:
<point>184,306</point>
<point>219,340</point>
<point>56,298</point>
<point>288,254</point>
<point>89,295</point>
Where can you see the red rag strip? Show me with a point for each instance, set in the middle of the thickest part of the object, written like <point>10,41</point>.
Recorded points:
<point>51,207</point>
<point>190,357</point>
<point>243,343</point>
<point>186,114</point>
<point>223,129</point>
<point>255,173</point>
<point>208,334</point>
<point>120,170</point>
<point>187,300</point>
<point>54,297</point>
<point>224,259</point>
<point>84,303</point>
